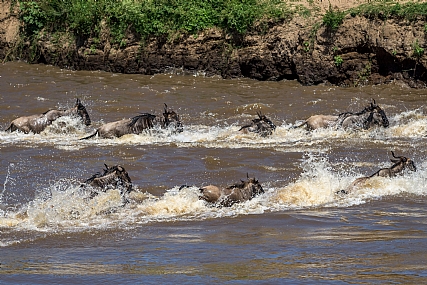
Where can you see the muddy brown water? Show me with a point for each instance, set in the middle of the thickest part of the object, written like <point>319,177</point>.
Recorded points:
<point>298,232</point>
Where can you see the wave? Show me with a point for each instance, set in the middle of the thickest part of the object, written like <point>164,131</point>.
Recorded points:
<point>64,207</point>
<point>65,132</point>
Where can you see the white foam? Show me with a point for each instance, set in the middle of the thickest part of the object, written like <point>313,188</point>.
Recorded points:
<point>63,206</point>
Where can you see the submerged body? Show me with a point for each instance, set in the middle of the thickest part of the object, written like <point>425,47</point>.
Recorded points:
<point>262,126</point>
<point>400,163</point>
<point>37,123</point>
<point>137,125</point>
<point>123,127</point>
<point>236,193</point>
<point>114,177</point>
<point>369,117</point>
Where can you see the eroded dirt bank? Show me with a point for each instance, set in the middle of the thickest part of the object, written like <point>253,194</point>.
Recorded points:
<point>360,51</point>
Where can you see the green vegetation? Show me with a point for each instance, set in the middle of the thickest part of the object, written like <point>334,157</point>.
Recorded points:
<point>333,19</point>
<point>78,20</point>
<point>384,9</point>
<point>418,51</point>
<point>147,17</point>
<point>338,60</point>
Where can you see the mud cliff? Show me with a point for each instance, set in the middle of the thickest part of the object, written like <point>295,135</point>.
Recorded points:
<point>360,51</point>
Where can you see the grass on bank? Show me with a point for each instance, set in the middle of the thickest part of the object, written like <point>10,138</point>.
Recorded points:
<point>147,17</point>
<point>163,18</point>
<point>385,9</point>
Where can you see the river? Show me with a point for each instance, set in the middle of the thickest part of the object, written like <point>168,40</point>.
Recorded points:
<point>298,232</point>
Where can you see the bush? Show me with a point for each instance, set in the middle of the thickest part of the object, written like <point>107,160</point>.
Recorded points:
<point>147,17</point>
<point>333,19</point>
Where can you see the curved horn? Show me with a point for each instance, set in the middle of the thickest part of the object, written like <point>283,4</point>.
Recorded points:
<point>106,166</point>
<point>392,153</point>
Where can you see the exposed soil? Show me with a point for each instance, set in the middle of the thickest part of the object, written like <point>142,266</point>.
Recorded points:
<point>361,51</point>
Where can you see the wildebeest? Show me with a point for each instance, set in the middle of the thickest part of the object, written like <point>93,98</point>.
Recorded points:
<point>114,177</point>
<point>137,125</point>
<point>236,193</point>
<point>261,125</point>
<point>171,120</point>
<point>370,116</point>
<point>37,123</point>
<point>400,163</point>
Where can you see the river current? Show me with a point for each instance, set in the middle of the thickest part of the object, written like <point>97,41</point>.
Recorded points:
<point>298,232</point>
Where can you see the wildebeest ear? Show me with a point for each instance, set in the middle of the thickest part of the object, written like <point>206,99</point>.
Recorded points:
<point>120,168</point>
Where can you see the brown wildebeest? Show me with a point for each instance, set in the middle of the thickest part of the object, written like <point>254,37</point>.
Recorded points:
<point>400,164</point>
<point>114,177</point>
<point>262,125</point>
<point>123,127</point>
<point>369,117</point>
<point>171,120</point>
<point>236,193</point>
<point>37,123</point>
<point>137,125</point>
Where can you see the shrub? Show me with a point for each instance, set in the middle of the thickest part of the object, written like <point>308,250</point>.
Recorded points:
<point>147,17</point>
<point>333,19</point>
<point>338,60</point>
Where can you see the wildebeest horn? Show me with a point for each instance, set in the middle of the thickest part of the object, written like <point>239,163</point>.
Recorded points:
<point>106,166</point>
<point>402,158</point>
<point>166,108</point>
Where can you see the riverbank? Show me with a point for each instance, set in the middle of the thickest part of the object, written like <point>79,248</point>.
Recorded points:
<point>365,47</point>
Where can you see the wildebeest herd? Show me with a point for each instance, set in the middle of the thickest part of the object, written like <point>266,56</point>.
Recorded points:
<point>116,177</point>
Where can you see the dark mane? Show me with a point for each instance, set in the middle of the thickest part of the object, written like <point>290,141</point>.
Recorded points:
<point>146,117</point>
<point>239,185</point>
<point>47,112</point>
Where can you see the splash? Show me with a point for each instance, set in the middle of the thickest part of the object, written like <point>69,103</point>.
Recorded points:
<point>320,181</point>
<point>64,206</point>
<point>7,180</point>
<point>65,132</point>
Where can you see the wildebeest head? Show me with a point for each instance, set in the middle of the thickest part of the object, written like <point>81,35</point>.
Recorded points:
<point>251,184</point>
<point>82,112</point>
<point>264,119</point>
<point>113,177</point>
<point>171,118</point>
<point>261,125</point>
<point>403,161</point>
<point>377,115</point>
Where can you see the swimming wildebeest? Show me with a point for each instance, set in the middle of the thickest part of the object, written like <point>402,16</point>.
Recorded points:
<point>114,177</point>
<point>236,193</point>
<point>261,125</point>
<point>400,164</point>
<point>370,116</point>
<point>137,125</point>
<point>37,123</point>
